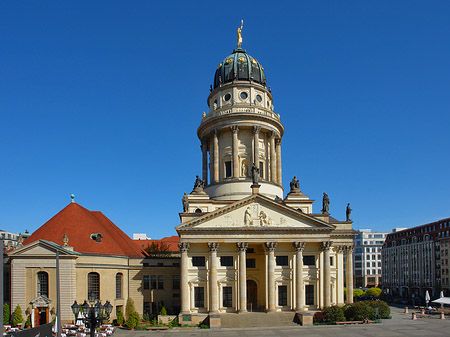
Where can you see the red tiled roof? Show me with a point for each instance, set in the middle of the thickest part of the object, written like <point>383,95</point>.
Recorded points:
<point>171,242</point>
<point>79,223</point>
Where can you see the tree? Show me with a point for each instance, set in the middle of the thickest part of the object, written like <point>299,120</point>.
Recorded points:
<point>129,309</point>
<point>373,292</point>
<point>120,319</point>
<point>18,317</point>
<point>163,310</point>
<point>6,313</point>
<point>158,249</point>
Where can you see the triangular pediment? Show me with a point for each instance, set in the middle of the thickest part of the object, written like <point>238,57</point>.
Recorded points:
<point>255,212</point>
<point>41,301</point>
<point>226,279</point>
<point>197,280</point>
<point>41,248</point>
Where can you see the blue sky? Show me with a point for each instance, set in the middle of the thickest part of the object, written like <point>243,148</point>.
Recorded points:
<point>103,99</point>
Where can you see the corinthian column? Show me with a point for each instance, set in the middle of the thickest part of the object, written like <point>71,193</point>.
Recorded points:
<point>184,279</point>
<point>326,246</point>
<point>234,130</point>
<point>349,274</point>
<point>242,246</point>
<point>270,246</point>
<point>213,289</point>
<point>273,158</point>
<point>299,288</point>
<point>215,134</point>
<point>278,160</point>
<point>204,148</point>
<point>256,147</point>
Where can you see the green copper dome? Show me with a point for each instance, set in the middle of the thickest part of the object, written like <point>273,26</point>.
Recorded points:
<point>239,66</point>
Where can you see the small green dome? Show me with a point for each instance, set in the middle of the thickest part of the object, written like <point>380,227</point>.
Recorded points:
<point>239,66</point>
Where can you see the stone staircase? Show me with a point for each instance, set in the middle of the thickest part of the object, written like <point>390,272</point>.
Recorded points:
<point>257,319</point>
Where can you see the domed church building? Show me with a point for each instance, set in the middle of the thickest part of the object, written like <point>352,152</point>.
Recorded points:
<point>245,247</point>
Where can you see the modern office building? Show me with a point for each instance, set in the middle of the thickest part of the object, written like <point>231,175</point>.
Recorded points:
<point>415,260</point>
<point>367,258</point>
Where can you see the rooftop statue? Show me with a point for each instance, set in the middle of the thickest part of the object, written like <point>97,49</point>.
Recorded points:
<point>295,185</point>
<point>255,174</point>
<point>239,35</point>
<point>185,201</point>
<point>325,204</point>
<point>348,211</point>
<point>198,185</point>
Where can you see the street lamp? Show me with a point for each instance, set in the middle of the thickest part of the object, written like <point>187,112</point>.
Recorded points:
<point>93,314</point>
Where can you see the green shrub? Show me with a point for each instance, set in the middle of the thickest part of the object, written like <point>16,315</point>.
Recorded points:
<point>358,311</point>
<point>129,309</point>
<point>145,317</point>
<point>136,317</point>
<point>384,311</point>
<point>174,323</point>
<point>6,313</point>
<point>120,319</point>
<point>28,321</point>
<point>18,318</point>
<point>333,314</point>
<point>131,322</point>
<point>358,292</point>
<point>373,292</point>
<point>163,310</point>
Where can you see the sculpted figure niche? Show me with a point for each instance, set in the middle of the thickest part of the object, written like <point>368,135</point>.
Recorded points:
<point>248,217</point>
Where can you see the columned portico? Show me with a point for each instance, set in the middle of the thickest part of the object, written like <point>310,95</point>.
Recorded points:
<point>349,274</point>
<point>184,279</point>
<point>326,247</point>
<point>242,276</point>
<point>270,246</point>
<point>299,286</point>
<point>213,288</point>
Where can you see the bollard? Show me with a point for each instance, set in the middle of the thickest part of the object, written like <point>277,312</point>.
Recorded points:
<point>406,310</point>
<point>414,316</point>
<point>442,315</point>
<point>422,311</point>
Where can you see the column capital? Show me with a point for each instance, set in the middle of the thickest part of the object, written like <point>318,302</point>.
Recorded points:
<point>234,129</point>
<point>349,249</point>
<point>341,248</point>
<point>256,129</point>
<point>278,141</point>
<point>184,246</point>
<point>299,245</point>
<point>270,246</point>
<point>326,245</point>
<point>215,132</point>
<point>272,134</point>
<point>242,246</point>
<point>213,246</point>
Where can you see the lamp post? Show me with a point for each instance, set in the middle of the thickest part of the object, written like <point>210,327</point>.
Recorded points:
<point>93,314</point>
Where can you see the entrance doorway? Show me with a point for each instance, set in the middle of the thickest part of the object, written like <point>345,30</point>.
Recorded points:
<point>252,296</point>
<point>41,316</point>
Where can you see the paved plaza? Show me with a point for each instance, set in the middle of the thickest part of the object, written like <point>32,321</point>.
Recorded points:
<point>400,325</point>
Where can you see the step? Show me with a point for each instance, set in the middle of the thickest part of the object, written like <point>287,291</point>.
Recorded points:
<point>257,319</point>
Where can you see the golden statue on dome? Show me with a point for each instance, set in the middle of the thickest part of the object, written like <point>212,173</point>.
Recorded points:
<point>239,34</point>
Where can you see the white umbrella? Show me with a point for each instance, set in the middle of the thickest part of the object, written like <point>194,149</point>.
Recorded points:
<point>427,298</point>
<point>441,295</point>
<point>79,319</point>
<point>443,300</point>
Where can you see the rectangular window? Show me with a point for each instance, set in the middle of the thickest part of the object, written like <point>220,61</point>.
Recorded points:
<point>250,263</point>
<point>175,282</point>
<point>146,308</point>
<point>153,282</point>
<point>282,296</point>
<point>227,297</point>
<point>331,261</point>
<point>282,260</point>
<point>309,260</point>
<point>309,294</point>
<point>367,257</point>
<point>119,308</point>
<point>358,265</point>
<point>199,297</point>
<point>226,261</point>
<point>368,264</point>
<point>261,170</point>
<point>42,285</point>
<point>160,282</point>
<point>227,169</point>
<point>250,250</point>
<point>119,285</point>
<point>198,261</point>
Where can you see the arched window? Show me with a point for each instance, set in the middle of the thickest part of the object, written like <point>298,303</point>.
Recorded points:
<point>42,283</point>
<point>119,285</point>
<point>94,286</point>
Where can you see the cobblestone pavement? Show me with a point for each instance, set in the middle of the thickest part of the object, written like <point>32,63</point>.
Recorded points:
<point>400,325</point>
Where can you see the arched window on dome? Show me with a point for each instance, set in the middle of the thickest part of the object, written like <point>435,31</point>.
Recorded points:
<point>119,278</point>
<point>42,284</point>
<point>93,286</point>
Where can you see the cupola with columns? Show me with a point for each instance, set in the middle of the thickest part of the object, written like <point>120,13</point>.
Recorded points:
<point>241,129</point>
